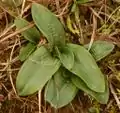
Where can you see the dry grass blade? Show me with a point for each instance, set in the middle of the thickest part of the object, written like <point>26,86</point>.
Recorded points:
<point>115,96</point>
<point>16,32</point>
<point>110,16</point>
<point>7,30</point>
<point>39,100</point>
<point>95,13</point>
<point>94,31</point>
<point>23,6</point>
<point>9,68</point>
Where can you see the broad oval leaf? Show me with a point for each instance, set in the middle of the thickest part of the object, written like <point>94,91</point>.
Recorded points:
<point>31,34</point>
<point>66,57</point>
<point>100,97</point>
<point>86,68</point>
<point>36,71</point>
<point>100,49</point>
<point>26,51</point>
<point>60,91</point>
<point>48,24</point>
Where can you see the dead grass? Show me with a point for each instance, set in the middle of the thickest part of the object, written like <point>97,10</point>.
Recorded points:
<point>98,20</point>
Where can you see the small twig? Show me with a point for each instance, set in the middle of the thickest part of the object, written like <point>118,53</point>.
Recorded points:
<point>95,13</point>
<point>17,32</point>
<point>59,10</point>
<point>105,11</point>
<point>39,100</point>
<point>13,61</point>
<point>6,30</point>
<point>77,19</point>
<point>3,8</point>
<point>9,68</point>
<point>5,87</point>
<point>4,68</point>
<point>6,20</point>
<point>63,11</point>
<point>115,96</point>
<point>112,24</point>
<point>23,6</point>
<point>93,34</point>
<point>2,76</point>
<point>112,18</point>
<point>109,16</point>
<point>112,13</point>
<point>26,8</point>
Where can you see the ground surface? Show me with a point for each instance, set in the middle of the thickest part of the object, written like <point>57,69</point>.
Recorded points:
<point>105,14</point>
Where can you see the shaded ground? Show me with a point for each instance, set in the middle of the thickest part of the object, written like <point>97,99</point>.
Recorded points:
<point>101,16</point>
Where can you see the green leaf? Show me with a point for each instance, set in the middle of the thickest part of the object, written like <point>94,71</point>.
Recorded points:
<point>49,25</point>
<point>36,71</point>
<point>60,91</point>
<point>26,51</point>
<point>100,97</point>
<point>66,57</point>
<point>31,34</point>
<point>100,49</point>
<point>86,68</point>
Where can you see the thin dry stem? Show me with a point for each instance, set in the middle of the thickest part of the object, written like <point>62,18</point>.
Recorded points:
<point>59,10</point>
<point>110,16</point>
<point>9,68</point>
<point>23,6</point>
<point>95,13</point>
<point>115,96</point>
<point>39,99</point>
<point>17,32</point>
<point>63,10</point>
<point>7,30</point>
<point>6,20</point>
<point>94,32</point>
<point>26,8</point>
